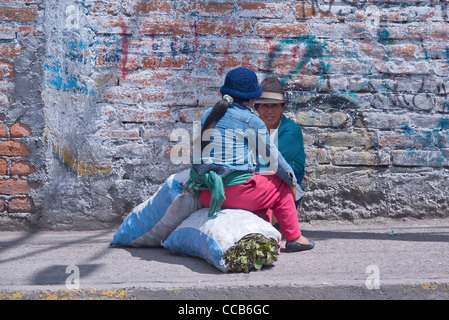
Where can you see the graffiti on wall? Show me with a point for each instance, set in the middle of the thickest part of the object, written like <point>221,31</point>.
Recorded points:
<point>70,91</point>
<point>304,64</point>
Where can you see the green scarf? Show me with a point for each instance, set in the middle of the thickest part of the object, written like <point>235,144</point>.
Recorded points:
<point>213,182</point>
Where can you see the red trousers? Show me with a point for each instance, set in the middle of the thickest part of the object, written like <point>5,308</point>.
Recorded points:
<point>259,194</point>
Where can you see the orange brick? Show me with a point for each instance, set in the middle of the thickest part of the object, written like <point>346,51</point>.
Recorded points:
<point>28,13</point>
<point>124,95</point>
<point>264,10</point>
<point>166,26</point>
<point>122,135</point>
<point>307,11</point>
<point>223,28</point>
<point>13,149</point>
<point>224,63</point>
<point>3,167</point>
<point>208,62</point>
<point>151,133</point>
<point>148,78</point>
<point>440,31</point>
<point>22,168</point>
<point>407,50</point>
<point>373,50</point>
<point>191,114</point>
<point>9,52</point>
<point>282,30</point>
<point>180,62</point>
<point>2,204</point>
<point>21,205</point>
<point>3,130</point>
<point>128,62</point>
<point>14,186</point>
<point>108,60</point>
<point>198,8</point>
<point>227,63</point>
<point>106,8</point>
<point>142,8</point>
<point>6,86</point>
<point>25,31</point>
<point>7,32</point>
<point>18,130</point>
<point>6,70</point>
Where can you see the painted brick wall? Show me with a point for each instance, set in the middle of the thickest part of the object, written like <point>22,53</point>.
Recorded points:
<point>98,87</point>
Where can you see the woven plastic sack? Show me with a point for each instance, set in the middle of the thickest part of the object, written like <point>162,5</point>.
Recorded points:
<point>209,238</point>
<point>152,221</point>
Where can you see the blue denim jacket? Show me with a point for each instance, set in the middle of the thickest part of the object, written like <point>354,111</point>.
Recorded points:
<point>236,142</point>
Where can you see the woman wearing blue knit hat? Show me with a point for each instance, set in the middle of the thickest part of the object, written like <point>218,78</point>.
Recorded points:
<point>232,138</point>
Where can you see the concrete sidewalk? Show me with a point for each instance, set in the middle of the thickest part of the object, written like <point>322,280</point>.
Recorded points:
<point>379,259</point>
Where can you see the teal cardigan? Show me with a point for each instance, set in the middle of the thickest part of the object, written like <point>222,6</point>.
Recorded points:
<point>291,144</point>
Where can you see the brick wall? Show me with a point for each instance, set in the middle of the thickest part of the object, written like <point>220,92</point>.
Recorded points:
<point>18,142</point>
<point>107,82</point>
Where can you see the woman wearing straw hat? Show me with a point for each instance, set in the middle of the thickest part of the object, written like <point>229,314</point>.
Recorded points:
<point>288,134</point>
<point>224,179</point>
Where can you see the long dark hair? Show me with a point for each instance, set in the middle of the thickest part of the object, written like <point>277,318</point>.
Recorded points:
<point>218,111</point>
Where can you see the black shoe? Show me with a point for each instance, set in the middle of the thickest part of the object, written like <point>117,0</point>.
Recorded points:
<point>277,227</point>
<point>293,246</point>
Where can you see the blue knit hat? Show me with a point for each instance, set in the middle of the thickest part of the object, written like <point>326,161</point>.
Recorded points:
<point>242,83</point>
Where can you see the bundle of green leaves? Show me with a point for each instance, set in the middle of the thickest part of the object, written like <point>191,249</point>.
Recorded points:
<point>252,251</point>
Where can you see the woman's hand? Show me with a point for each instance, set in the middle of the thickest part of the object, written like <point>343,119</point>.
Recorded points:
<point>293,191</point>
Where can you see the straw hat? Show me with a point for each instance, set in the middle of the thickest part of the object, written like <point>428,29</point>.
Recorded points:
<point>272,91</point>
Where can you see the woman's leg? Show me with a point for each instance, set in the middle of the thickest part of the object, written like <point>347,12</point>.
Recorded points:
<point>258,194</point>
